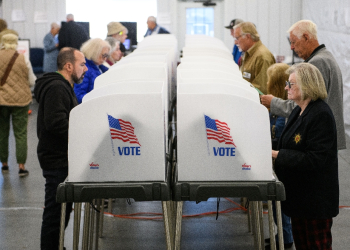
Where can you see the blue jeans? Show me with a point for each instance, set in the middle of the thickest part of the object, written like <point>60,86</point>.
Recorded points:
<point>50,229</point>
<point>286,224</point>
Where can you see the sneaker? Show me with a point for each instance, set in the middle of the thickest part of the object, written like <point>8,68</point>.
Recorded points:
<point>4,169</point>
<point>23,172</point>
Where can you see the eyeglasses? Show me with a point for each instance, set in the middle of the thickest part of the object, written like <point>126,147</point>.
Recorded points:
<point>237,38</point>
<point>105,56</point>
<point>289,84</point>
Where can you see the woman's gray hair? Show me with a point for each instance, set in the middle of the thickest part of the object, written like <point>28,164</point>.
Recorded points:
<point>304,27</point>
<point>310,81</point>
<point>92,48</point>
<point>113,42</point>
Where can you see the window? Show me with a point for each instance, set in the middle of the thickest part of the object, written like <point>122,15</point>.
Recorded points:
<point>200,21</point>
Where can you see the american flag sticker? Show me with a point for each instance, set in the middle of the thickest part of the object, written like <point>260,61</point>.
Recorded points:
<point>217,130</point>
<point>122,130</point>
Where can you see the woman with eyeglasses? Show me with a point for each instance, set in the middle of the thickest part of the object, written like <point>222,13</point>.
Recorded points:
<point>306,160</point>
<point>96,51</point>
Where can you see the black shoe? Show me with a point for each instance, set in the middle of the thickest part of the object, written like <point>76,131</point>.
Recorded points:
<point>286,246</point>
<point>5,169</point>
<point>23,172</point>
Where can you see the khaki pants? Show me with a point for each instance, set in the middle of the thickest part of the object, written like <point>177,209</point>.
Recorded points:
<point>19,123</point>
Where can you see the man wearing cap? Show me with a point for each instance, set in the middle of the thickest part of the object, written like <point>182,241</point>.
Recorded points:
<point>256,59</point>
<point>154,28</point>
<point>72,34</point>
<point>118,32</point>
<point>236,52</point>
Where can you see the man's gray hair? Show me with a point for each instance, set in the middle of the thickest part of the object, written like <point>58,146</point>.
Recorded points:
<point>304,27</point>
<point>55,25</point>
<point>248,28</point>
<point>70,17</point>
<point>152,19</point>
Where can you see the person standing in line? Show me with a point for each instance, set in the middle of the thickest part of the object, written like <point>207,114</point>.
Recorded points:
<point>56,98</point>
<point>16,77</point>
<point>72,34</point>
<point>304,41</point>
<point>235,52</point>
<point>50,49</point>
<point>154,28</point>
<point>306,160</point>
<point>257,58</point>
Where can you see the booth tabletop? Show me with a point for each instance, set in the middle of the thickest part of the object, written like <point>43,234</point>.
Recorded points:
<point>139,191</point>
<point>253,190</point>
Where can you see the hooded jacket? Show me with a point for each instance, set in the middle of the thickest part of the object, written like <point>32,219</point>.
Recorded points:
<point>56,99</point>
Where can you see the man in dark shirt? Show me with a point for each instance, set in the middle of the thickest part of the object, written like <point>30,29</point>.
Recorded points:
<point>71,34</point>
<point>56,98</point>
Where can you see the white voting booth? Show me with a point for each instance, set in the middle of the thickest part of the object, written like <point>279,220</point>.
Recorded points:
<point>119,132</point>
<point>222,129</point>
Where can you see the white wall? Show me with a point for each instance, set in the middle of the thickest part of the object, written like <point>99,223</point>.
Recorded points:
<point>333,20</point>
<point>55,10</point>
<point>272,18</point>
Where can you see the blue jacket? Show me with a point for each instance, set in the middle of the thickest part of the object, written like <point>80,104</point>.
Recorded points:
<point>158,29</point>
<point>50,53</point>
<point>88,83</point>
<point>236,53</point>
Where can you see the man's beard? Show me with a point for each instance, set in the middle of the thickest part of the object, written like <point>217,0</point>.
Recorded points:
<point>76,79</point>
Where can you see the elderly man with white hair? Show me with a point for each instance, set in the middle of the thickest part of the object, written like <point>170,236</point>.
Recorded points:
<point>154,28</point>
<point>304,41</point>
<point>51,48</point>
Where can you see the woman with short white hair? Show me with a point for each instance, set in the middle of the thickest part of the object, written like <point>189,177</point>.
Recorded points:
<point>306,160</point>
<point>96,51</point>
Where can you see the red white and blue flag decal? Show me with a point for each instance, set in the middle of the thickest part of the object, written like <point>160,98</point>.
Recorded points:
<point>217,130</point>
<point>122,130</point>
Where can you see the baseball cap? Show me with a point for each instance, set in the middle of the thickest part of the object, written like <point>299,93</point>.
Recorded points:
<point>233,23</point>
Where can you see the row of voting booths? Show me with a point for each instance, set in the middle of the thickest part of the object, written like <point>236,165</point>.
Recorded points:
<point>153,130</point>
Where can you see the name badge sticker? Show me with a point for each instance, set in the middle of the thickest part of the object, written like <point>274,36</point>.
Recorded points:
<point>247,75</point>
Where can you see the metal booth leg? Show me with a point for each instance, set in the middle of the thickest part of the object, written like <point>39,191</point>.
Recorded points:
<point>167,227</point>
<point>109,205</point>
<point>62,225</point>
<point>92,226</point>
<point>257,231</point>
<point>97,219</point>
<point>279,225</point>
<point>261,222</point>
<point>86,227</point>
<point>253,223</point>
<point>249,217</point>
<point>76,225</point>
<point>101,218</point>
<point>179,206</point>
<point>271,226</point>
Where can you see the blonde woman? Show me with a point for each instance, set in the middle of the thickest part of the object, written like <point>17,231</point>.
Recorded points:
<point>306,160</point>
<point>15,96</point>
<point>96,51</point>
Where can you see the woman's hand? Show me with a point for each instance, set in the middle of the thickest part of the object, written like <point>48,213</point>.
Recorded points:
<point>274,154</point>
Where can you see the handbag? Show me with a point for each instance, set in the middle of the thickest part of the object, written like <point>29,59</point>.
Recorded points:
<point>8,69</point>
